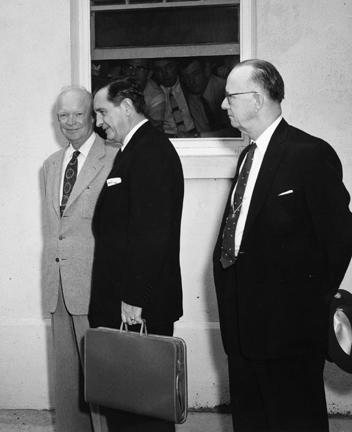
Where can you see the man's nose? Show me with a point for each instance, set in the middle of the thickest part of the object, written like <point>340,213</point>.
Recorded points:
<point>71,119</point>
<point>225,105</point>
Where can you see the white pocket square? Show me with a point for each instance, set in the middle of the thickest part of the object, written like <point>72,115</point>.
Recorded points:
<point>113,181</point>
<point>286,192</point>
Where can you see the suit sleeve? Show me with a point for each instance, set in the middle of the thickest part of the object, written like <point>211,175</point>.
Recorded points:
<point>328,201</point>
<point>156,194</point>
<point>43,190</point>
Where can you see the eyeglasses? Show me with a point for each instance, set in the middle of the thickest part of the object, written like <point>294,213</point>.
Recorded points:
<point>134,69</point>
<point>76,116</point>
<point>230,95</point>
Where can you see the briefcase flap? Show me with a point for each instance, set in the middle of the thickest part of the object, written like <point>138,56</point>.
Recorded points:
<point>137,373</point>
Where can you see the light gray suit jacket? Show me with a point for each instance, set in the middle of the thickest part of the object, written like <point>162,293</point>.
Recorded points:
<point>68,240</point>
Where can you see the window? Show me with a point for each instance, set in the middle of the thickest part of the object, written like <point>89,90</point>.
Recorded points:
<point>201,158</point>
<point>206,32</point>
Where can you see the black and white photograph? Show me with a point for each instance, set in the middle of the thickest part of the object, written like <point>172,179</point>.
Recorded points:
<point>176,225</point>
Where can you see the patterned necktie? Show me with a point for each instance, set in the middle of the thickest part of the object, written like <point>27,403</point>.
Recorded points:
<point>177,114</point>
<point>69,180</point>
<point>228,238</point>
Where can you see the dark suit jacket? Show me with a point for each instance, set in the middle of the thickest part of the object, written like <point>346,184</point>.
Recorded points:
<point>137,233</point>
<point>295,250</point>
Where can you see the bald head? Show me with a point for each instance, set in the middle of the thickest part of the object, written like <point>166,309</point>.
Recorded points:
<point>75,115</point>
<point>79,94</point>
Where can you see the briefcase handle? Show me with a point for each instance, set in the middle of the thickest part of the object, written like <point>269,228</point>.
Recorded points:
<point>142,331</point>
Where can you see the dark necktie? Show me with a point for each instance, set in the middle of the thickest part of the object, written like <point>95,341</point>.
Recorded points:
<point>69,180</point>
<point>228,238</point>
<point>177,114</point>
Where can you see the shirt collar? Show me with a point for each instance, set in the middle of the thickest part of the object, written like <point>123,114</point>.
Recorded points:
<point>263,140</point>
<point>84,149</point>
<point>131,133</point>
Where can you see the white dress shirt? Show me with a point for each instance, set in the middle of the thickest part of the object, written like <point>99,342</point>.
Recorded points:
<point>169,122</point>
<point>131,133</point>
<point>262,144</point>
<point>84,150</point>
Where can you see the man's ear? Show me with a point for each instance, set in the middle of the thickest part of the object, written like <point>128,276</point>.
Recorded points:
<point>127,105</point>
<point>259,100</point>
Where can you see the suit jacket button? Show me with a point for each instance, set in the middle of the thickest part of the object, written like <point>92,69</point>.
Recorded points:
<point>57,259</point>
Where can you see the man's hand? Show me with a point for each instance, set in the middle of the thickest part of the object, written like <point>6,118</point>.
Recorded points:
<point>131,314</point>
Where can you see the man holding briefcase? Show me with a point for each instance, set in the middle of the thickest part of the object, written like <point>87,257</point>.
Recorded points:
<point>136,271</point>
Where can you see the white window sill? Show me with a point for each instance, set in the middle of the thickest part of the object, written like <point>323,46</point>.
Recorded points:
<point>209,157</point>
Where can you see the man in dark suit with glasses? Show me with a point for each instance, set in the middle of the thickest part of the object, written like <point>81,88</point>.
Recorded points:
<point>283,248</point>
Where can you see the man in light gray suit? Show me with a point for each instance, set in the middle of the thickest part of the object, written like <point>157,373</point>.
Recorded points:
<point>73,178</point>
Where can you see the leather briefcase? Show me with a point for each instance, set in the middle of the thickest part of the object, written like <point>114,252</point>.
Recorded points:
<point>138,373</point>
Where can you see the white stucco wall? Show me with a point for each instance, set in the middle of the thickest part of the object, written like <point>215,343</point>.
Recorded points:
<point>309,41</point>
<point>35,53</point>
<point>36,44</point>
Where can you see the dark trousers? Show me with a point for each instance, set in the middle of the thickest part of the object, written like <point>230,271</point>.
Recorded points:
<point>278,395</point>
<point>119,421</point>
<point>272,395</point>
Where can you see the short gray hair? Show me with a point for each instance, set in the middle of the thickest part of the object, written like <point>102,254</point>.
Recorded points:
<point>78,89</point>
<point>267,76</point>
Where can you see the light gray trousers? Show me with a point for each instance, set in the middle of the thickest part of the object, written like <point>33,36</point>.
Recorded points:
<point>73,414</point>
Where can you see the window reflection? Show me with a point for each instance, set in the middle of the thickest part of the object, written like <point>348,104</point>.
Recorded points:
<point>183,95</point>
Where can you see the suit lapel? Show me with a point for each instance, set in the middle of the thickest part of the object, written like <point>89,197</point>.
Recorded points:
<point>115,166</point>
<point>57,174</point>
<point>142,131</point>
<point>122,157</point>
<point>268,169</point>
<point>90,169</point>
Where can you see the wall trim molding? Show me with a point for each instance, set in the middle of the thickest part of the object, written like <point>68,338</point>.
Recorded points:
<point>248,29</point>
<point>80,43</point>
<point>45,322</point>
<point>25,322</point>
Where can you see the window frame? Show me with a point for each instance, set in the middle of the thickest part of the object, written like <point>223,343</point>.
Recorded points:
<point>201,157</point>
<point>117,53</point>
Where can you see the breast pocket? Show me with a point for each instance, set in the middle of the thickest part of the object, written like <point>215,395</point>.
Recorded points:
<point>286,202</point>
<point>281,211</point>
<point>116,201</point>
